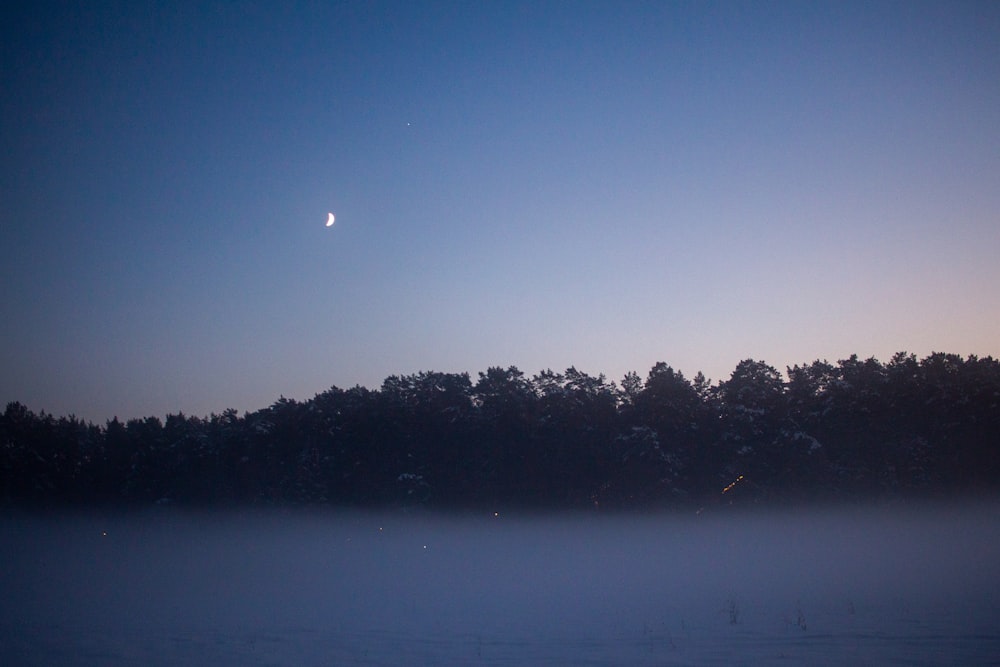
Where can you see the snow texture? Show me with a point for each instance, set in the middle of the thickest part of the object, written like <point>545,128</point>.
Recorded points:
<point>862,587</point>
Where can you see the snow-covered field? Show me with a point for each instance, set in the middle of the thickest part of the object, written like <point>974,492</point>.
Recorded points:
<point>876,587</point>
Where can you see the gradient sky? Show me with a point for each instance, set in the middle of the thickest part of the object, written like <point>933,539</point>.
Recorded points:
<point>604,185</point>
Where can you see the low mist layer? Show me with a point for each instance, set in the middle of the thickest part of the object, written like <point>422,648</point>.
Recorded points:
<point>859,586</point>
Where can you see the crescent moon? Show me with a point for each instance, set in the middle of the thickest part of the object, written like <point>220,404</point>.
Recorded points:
<point>329,220</point>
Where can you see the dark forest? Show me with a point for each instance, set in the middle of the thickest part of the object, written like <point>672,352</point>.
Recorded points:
<point>854,430</point>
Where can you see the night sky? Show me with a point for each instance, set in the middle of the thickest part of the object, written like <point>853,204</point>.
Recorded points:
<point>603,185</point>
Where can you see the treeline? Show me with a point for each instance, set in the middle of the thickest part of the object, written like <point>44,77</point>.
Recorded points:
<point>851,430</point>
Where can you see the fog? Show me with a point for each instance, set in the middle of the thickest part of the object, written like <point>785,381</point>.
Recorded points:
<point>902,585</point>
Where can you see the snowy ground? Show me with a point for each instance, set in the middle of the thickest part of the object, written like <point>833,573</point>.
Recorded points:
<point>874,587</point>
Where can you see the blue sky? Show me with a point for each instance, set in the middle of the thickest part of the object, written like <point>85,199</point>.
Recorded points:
<point>604,185</point>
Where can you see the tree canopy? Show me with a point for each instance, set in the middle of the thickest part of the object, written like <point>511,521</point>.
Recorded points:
<point>853,429</point>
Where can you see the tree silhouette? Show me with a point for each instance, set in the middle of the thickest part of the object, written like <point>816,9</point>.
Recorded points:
<point>854,429</point>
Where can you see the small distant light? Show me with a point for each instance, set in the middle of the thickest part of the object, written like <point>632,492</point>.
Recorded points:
<point>425,546</point>
<point>496,514</point>
<point>732,484</point>
<point>104,533</point>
